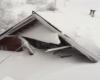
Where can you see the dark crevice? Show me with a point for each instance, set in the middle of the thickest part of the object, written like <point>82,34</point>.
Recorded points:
<point>43,45</point>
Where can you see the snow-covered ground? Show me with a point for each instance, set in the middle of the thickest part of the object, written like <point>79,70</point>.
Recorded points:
<point>45,66</point>
<point>41,66</point>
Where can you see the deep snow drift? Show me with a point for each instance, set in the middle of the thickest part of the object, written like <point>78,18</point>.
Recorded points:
<point>41,66</point>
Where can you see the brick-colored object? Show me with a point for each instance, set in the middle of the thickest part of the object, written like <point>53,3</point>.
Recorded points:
<point>10,43</point>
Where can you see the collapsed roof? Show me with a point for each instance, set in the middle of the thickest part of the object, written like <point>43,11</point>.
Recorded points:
<point>40,28</point>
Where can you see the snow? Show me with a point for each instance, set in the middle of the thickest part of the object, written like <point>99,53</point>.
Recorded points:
<point>7,78</point>
<point>42,66</point>
<point>45,66</point>
<point>78,25</point>
<point>40,32</point>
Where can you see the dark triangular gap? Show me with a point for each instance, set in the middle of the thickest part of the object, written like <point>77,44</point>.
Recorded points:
<point>63,42</point>
<point>43,45</point>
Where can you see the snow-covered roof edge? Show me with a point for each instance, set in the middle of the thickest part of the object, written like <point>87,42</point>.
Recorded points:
<point>34,16</point>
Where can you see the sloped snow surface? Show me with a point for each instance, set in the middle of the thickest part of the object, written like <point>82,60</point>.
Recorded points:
<point>43,66</point>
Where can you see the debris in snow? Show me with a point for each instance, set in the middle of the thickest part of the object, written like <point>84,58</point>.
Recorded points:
<point>92,13</point>
<point>58,48</point>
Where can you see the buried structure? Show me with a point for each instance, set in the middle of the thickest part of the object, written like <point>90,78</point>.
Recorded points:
<point>37,31</point>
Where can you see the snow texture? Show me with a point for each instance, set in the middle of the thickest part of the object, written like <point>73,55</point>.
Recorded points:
<point>43,66</point>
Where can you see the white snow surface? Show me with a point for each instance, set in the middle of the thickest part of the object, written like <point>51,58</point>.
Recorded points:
<point>79,25</point>
<point>41,66</point>
<point>42,33</point>
<point>45,66</point>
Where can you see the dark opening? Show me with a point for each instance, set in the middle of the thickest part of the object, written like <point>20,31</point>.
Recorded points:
<point>10,43</point>
<point>43,45</point>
